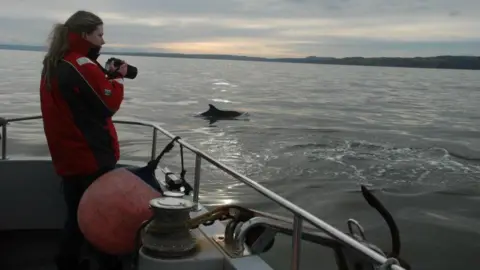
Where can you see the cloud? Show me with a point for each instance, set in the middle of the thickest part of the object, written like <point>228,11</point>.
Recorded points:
<point>264,27</point>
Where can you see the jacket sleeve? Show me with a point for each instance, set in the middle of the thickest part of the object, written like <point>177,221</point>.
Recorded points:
<point>108,91</point>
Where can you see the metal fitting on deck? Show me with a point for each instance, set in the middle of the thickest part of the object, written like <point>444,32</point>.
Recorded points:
<point>256,235</point>
<point>253,236</point>
<point>166,234</point>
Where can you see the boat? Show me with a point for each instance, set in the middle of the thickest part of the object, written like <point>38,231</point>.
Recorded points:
<point>228,236</point>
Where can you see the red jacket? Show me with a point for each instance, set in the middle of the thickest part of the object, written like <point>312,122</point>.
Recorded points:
<point>77,113</point>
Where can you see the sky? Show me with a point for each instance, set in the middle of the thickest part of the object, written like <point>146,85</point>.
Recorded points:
<point>268,28</point>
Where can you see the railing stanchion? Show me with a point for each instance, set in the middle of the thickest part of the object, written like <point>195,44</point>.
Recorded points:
<point>154,144</point>
<point>196,184</point>
<point>296,242</point>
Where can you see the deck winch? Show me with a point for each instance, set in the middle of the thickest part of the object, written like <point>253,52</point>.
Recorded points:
<point>169,238</point>
<point>166,234</point>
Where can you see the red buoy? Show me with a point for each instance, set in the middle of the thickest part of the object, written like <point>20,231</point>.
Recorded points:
<point>112,210</point>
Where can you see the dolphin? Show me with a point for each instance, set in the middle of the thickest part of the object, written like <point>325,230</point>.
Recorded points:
<point>213,114</point>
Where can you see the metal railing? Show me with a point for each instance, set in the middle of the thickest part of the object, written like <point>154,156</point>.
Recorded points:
<point>300,214</point>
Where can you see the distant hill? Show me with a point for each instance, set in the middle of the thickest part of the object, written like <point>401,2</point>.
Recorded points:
<point>440,62</point>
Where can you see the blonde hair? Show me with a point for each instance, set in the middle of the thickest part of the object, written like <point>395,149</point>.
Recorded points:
<point>80,22</point>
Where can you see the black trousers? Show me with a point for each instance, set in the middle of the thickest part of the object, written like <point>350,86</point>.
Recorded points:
<point>72,239</point>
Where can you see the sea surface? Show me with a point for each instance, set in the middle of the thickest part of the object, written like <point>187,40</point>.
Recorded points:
<point>313,134</point>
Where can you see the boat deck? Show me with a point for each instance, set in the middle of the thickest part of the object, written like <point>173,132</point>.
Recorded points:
<point>28,250</point>
<point>32,250</point>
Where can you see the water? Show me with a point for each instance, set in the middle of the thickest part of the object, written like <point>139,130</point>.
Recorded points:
<point>314,133</point>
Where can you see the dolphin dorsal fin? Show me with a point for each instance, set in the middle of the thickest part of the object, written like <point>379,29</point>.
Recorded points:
<point>212,108</point>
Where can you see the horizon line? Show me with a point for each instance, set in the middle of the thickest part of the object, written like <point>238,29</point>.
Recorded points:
<point>111,50</point>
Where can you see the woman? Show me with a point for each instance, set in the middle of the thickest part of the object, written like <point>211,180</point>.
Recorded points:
<point>78,101</point>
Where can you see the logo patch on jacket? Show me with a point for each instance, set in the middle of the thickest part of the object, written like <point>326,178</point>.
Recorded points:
<point>84,60</point>
<point>107,92</point>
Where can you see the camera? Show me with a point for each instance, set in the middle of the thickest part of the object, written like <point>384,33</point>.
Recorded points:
<point>132,71</point>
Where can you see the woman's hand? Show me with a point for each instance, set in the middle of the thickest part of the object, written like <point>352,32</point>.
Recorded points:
<point>122,70</point>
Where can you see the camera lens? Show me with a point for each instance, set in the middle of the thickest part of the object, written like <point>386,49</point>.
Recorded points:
<point>132,71</point>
